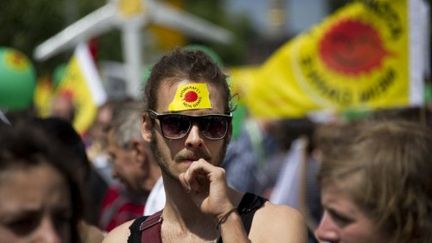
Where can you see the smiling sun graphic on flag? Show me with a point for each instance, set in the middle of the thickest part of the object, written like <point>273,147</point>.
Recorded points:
<point>352,47</point>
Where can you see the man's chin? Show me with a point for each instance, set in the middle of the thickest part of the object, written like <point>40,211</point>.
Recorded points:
<point>135,191</point>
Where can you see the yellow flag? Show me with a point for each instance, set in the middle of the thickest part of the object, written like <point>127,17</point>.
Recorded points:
<point>356,58</point>
<point>241,79</point>
<point>130,8</point>
<point>83,83</point>
<point>43,96</point>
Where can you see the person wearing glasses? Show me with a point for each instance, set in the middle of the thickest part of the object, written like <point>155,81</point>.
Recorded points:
<point>40,200</point>
<point>187,121</point>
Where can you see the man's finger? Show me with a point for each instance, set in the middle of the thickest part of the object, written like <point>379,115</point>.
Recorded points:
<point>184,182</point>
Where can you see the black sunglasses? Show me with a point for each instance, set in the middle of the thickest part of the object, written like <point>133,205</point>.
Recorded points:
<point>176,126</point>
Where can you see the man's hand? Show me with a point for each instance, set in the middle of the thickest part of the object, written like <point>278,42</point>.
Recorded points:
<point>208,188</point>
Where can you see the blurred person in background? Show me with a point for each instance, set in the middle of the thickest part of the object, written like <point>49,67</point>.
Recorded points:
<point>133,165</point>
<point>118,204</point>
<point>132,159</point>
<point>93,187</point>
<point>376,187</point>
<point>250,154</point>
<point>40,199</point>
<point>96,140</point>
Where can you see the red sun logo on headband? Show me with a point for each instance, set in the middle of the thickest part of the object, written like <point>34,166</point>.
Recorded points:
<point>352,47</point>
<point>190,96</point>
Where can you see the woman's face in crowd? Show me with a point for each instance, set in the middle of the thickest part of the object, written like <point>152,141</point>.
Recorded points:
<point>35,206</point>
<point>343,220</point>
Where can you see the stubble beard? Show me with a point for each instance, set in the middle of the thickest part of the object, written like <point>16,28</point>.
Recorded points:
<point>163,164</point>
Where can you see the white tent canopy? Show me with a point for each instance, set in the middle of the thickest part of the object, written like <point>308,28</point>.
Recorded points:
<point>112,16</point>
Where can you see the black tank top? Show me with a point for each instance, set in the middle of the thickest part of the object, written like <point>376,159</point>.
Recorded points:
<point>249,204</point>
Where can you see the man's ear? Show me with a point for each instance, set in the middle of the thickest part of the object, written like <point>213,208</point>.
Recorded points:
<point>146,127</point>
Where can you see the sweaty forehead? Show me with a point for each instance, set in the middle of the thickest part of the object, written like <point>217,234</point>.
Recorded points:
<point>185,95</point>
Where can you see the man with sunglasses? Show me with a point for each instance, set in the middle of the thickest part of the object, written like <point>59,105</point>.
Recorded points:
<point>188,124</point>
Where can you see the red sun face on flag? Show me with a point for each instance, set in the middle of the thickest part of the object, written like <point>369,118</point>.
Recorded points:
<point>352,47</point>
<point>190,96</point>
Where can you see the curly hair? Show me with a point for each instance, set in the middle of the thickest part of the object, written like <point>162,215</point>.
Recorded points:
<point>193,65</point>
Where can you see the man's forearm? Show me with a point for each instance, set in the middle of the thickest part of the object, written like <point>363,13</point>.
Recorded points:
<point>232,230</point>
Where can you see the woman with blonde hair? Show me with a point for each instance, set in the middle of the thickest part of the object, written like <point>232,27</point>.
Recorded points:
<point>377,187</point>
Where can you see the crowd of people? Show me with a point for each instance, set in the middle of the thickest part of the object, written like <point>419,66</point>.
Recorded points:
<point>166,169</point>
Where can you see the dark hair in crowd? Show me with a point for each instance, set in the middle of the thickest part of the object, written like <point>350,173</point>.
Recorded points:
<point>190,65</point>
<point>63,131</point>
<point>92,185</point>
<point>25,146</point>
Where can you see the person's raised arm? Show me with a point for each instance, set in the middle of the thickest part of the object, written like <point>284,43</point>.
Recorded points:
<point>208,188</point>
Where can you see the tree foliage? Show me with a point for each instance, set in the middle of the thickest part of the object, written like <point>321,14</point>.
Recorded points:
<point>26,23</point>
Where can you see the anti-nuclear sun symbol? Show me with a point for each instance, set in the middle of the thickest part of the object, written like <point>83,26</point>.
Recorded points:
<point>352,47</point>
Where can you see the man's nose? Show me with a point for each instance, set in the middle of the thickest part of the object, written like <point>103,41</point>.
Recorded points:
<point>48,233</point>
<point>194,139</point>
<point>327,230</point>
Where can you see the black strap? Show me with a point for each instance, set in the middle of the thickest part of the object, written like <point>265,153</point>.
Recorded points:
<point>249,204</point>
<point>135,233</point>
<point>146,227</point>
<point>247,207</point>
<point>150,225</point>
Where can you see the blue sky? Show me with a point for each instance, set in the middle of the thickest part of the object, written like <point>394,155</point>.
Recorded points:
<point>300,14</point>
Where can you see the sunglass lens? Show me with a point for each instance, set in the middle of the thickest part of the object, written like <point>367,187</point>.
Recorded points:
<point>174,126</point>
<point>214,127</point>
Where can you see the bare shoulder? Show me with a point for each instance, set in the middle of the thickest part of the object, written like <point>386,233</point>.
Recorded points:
<point>118,234</point>
<point>90,233</point>
<point>278,223</point>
